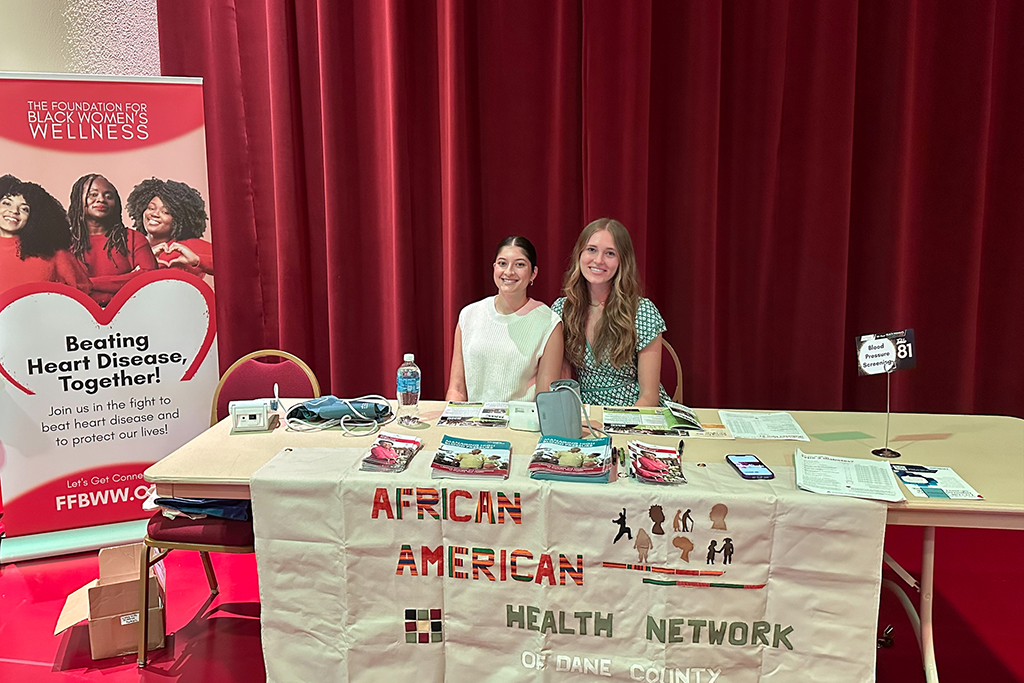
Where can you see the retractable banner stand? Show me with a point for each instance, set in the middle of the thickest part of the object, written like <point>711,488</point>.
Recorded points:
<point>107,328</point>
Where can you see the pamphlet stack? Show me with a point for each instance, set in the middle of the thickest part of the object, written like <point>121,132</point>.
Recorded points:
<point>471,458</point>
<point>562,459</point>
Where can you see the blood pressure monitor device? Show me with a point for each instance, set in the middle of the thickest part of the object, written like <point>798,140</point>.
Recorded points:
<point>522,415</point>
<point>251,416</point>
<point>559,414</point>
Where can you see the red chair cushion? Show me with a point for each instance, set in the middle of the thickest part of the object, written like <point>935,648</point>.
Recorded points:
<point>209,530</point>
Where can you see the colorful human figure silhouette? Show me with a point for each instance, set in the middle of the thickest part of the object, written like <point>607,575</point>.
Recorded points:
<point>717,516</point>
<point>687,521</point>
<point>675,521</point>
<point>684,545</point>
<point>658,517</point>
<point>642,544</point>
<point>727,550</point>
<point>711,552</point>
<point>623,529</point>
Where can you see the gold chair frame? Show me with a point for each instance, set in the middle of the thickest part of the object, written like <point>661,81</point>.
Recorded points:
<point>677,395</point>
<point>148,561</point>
<point>262,353</point>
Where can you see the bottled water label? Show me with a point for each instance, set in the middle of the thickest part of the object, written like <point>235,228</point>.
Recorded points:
<point>408,385</point>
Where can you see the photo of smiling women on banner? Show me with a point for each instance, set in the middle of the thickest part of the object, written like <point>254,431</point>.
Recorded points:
<point>172,216</point>
<point>34,238</point>
<point>112,253</point>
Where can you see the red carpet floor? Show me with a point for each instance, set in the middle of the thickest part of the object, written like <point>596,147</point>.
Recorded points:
<point>978,613</point>
<point>213,640</point>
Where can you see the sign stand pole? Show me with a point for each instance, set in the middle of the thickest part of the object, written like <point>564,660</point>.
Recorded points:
<point>887,452</point>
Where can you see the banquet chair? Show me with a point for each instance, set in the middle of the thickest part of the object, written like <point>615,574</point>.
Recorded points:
<point>677,395</point>
<point>249,378</point>
<point>206,535</point>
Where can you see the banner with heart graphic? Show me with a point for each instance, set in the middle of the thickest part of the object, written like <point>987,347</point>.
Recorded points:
<point>108,356</point>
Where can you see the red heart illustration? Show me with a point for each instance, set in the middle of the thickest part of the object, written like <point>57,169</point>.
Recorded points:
<point>104,316</point>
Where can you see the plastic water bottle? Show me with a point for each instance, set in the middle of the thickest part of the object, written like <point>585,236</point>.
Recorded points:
<point>409,379</point>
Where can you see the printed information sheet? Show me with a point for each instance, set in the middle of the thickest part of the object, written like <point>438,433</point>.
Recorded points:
<point>636,417</point>
<point>674,419</point>
<point>461,414</point>
<point>934,482</point>
<point>846,477</point>
<point>762,425</point>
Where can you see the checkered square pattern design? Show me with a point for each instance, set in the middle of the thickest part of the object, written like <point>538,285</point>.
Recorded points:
<point>423,626</point>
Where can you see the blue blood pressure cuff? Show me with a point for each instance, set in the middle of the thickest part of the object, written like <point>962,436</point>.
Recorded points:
<point>240,510</point>
<point>352,411</point>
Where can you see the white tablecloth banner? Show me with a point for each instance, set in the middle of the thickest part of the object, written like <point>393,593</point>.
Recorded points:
<point>373,577</point>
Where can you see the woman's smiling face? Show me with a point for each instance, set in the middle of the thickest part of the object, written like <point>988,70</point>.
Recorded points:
<point>14,213</point>
<point>157,219</point>
<point>599,260</point>
<point>512,270</point>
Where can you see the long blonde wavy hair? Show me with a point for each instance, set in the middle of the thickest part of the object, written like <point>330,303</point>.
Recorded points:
<point>615,335</point>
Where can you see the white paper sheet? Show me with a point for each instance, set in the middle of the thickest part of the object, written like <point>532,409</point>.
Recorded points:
<point>762,425</point>
<point>856,477</point>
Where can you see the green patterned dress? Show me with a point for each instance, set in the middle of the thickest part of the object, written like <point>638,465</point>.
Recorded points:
<point>603,385</point>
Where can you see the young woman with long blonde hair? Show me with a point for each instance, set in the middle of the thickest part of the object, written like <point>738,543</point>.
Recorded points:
<point>612,333</point>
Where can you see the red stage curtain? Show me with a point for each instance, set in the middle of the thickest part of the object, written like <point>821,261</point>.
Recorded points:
<point>793,174</point>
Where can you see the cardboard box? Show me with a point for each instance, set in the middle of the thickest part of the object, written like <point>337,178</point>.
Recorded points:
<point>111,604</point>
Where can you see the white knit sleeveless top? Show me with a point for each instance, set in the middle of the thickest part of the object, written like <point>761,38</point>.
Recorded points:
<point>501,352</point>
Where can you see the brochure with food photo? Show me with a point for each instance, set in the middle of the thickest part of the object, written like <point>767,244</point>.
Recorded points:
<point>562,459</point>
<point>471,458</point>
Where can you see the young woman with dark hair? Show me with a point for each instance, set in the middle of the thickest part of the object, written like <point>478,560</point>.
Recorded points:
<point>172,216</point>
<point>112,253</point>
<point>34,238</point>
<point>508,346</point>
<point>612,333</point>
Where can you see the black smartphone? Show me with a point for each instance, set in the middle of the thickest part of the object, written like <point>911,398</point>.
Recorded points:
<point>749,466</point>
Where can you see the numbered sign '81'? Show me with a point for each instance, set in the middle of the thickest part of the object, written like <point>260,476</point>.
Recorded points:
<point>881,353</point>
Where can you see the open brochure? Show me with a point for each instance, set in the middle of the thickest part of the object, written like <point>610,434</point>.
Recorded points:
<point>856,477</point>
<point>652,464</point>
<point>711,430</point>
<point>762,425</point>
<point>684,415</point>
<point>462,414</point>
<point>563,459</point>
<point>391,453</point>
<point>662,421</point>
<point>934,482</point>
<point>471,458</point>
